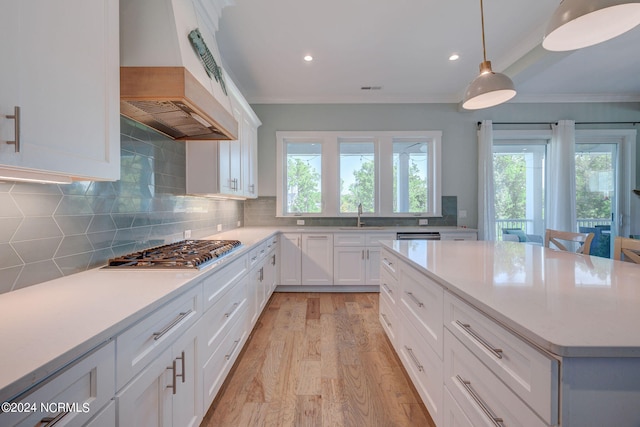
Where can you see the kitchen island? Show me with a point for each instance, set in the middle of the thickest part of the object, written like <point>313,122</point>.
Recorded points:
<point>516,332</point>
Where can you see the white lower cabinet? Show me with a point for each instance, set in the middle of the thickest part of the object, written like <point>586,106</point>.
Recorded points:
<point>71,397</point>
<point>424,367</point>
<point>468,369</point>
<point>306,259</point>
<point>356,258</point>
<point>453,415</point>
<point>219,363</point>
<point>106,417</point>
<point>167,392</point>
<point>485,399</point>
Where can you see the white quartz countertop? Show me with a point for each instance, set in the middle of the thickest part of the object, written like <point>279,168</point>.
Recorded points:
<point>48,325</point>
<point>568,304</point>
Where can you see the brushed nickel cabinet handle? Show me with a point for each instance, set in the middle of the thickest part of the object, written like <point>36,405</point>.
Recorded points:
<point>415,300</point>
<point>235,306</point>
<point>414,358</point>
<point>174,322</point>
<point>233,350</point>
<point>384,316</point>
<point>51,421</point>
<point>496,421</point>
<point>497,352</point>
<point>387,288</point>
<point>16,142</point>
<point>183,367</point>
<point>174,376</point>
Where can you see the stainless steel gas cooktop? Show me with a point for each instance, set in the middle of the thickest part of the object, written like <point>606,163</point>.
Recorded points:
<point>180,255</point>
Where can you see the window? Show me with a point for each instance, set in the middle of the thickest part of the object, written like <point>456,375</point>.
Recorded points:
<point>357,176</point>
<point>303,177</point>
<point>330,173</point>
<point>410,179</point>
<point>519,186</point>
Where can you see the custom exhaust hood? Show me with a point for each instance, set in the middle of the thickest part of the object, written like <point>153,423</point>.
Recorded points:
<point>163,82</point>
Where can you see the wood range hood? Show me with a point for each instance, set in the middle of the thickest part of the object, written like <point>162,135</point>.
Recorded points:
<point>173,102</point>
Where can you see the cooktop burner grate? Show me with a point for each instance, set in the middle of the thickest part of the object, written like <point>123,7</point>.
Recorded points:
<point>183,254</point>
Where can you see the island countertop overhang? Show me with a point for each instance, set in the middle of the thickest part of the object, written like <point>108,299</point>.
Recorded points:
<point>569,305</point>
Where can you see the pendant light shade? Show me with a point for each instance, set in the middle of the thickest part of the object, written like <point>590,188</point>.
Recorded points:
<point>489,88</point>
<point>580,23</point>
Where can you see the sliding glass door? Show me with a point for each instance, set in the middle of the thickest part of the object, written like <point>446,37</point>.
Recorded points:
<point>596,193</point>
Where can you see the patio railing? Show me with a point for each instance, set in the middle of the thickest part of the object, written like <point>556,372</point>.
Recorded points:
<point>522,224</point>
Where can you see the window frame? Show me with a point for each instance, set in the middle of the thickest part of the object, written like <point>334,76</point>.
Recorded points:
<point>383,142</point>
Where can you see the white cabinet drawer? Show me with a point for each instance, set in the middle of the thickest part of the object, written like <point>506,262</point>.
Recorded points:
<point>423,366</point>
<point>389,262</point>
<point>225,311</point>
<point>388,319</point>
<point>349,239</point>
<point>527,371</point>
<point>216,284</point>
<point>272,243</point>
<point>422,301</point>
<point>466,235</point>
<point>373,239</point>
<point>218,365</point>
<point>480,394</point>
<point>83,389</point>
<point>388,286</point>
<point>453,415</point>
<point>257,253</point>
<point>145,340</point>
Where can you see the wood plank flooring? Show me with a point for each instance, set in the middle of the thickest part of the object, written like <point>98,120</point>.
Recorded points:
<point>318,359</point>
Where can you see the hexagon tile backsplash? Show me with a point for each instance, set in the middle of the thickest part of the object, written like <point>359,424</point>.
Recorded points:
<point>49,230</point>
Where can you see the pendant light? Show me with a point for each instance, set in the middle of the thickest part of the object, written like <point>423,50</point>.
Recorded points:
<point>580,23</point>
<point>489,88</point>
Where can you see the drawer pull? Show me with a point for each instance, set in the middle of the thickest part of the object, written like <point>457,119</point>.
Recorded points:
<point>497,422</point>
<point>174,322</point>
<point>414,299</point>
<point>384,316</point>
<point>497,352</point>
<point>235,306</point>
<point>387,288</point>
<point>182,363</point>
<point>16,142</point>
<point>233,350</point>
<point>51,421</point>
<point>273,259</point>
<point>173,376</point>
<point>413,357</point>
<point>386,261</point>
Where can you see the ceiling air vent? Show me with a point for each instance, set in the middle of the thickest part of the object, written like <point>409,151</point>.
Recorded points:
<point>370,87</point>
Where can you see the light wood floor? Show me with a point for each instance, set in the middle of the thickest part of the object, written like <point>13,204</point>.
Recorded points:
<point>318,359</point>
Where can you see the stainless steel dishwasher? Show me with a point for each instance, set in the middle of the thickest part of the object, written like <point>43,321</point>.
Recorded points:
<point>421,235</point>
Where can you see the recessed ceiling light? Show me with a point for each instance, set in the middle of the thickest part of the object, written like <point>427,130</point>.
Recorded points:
<point>454,57</point>
<point>308,58</point>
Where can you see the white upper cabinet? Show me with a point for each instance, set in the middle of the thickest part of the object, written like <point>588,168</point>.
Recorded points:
<point>61,68</point>
<point>227,168</point>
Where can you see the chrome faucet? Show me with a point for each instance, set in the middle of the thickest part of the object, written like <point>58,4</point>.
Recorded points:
<point>360,223</point>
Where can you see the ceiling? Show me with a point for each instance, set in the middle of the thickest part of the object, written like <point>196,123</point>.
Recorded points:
<point>403,47</point>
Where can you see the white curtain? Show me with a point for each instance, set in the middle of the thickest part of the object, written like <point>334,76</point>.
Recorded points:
<point>561,201</point>
<point>486,206</point>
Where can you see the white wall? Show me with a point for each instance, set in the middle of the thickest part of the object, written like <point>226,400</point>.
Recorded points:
<point>459,143</point>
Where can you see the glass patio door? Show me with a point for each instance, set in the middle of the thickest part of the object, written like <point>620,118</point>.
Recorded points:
<point>597,194</point>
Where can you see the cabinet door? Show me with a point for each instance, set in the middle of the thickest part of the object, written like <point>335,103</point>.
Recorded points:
<point>68,86</point>
<point>317,259</point>
<point>187,400</point>
<point>372,276</point>
<point>290,259</point>
<point>249,158</point>
<point>146,401</point>
<point>349,265</point>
